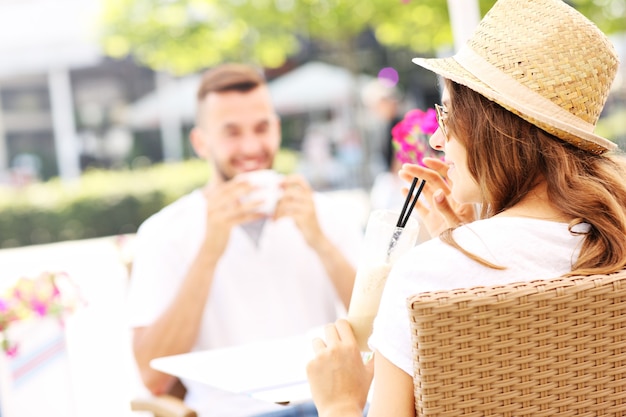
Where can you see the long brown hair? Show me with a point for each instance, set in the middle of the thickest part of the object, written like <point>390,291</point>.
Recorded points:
<point>508,156</point>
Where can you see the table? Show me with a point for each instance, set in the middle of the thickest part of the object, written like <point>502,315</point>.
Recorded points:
<point>271,370</point>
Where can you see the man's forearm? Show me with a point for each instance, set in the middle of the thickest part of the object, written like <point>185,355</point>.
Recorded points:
<point>338,268</point>
<point>176,330</point>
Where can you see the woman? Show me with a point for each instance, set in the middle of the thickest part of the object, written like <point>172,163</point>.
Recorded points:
<point>519,105</point>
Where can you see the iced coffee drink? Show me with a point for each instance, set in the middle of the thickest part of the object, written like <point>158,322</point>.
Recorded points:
<point>374,266</point>
<point>365,301</point>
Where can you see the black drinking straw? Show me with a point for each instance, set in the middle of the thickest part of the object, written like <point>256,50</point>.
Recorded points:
<point>402,220</point>
<point>417,195</point>
<point>406,203</point>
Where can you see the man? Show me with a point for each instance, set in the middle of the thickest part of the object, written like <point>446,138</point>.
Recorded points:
<point>210,271</point>
<point>385,102</point>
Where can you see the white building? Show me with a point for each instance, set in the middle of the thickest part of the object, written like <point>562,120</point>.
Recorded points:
<point>61,100</point>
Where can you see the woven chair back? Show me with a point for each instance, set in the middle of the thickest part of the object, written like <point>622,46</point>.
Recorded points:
<point>542,348</point>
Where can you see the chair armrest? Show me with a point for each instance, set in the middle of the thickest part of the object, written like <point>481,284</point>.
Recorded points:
<point>162,406</point>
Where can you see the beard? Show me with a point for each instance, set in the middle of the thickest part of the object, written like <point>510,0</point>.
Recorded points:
<point>221,172</point>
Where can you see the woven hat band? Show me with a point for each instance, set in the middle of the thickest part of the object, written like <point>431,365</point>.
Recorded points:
<point>508,91</point>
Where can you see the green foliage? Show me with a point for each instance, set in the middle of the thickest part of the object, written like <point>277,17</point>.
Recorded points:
<point>100,203</point>
<point>609,15</point>
<point>183,36</point>
<point>613,127</point>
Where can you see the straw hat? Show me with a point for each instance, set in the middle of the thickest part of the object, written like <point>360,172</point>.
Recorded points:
<point>543,61</point>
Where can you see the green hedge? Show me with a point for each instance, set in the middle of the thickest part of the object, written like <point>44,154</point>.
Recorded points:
<point>100,203</point>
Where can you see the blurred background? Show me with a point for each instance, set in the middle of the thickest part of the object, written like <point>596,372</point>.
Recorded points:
<point>97,98</point>
<point>88,85</point>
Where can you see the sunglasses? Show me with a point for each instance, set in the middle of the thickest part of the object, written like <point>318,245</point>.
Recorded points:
<point>442,116</point>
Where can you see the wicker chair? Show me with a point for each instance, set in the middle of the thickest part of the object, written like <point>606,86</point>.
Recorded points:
<point>542,348</point>
<point>168,405</point>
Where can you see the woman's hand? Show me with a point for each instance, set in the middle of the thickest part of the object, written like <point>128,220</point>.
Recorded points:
<point>442,212</point>
<point>338,377</point>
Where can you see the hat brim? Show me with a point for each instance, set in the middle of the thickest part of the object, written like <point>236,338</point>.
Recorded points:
<point>451,69</point>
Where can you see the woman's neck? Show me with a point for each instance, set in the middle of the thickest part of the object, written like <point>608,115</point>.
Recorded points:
<point>536,205</point>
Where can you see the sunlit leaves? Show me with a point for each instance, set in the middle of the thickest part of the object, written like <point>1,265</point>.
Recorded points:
<point>182,36</point>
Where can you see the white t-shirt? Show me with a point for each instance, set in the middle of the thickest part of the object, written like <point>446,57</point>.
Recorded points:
<point>274,288</point>
<point>530,249</point>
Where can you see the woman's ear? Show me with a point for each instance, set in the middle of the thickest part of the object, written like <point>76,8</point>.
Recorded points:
<point>199,142</point>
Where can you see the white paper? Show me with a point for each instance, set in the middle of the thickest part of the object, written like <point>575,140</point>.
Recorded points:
<point>272,370</point>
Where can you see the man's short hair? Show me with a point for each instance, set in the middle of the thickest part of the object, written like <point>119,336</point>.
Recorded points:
<point>230,77</point>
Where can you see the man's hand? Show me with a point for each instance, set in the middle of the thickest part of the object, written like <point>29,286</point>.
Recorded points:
<point>338,377</point>
<point>442,212</point>
<point>226,210</point>
<point>297,203</point>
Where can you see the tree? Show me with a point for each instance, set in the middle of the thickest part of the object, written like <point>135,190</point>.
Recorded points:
<point>182,36</point>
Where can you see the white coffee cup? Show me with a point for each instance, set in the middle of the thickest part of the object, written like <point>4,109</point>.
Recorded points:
<point>267,190</point>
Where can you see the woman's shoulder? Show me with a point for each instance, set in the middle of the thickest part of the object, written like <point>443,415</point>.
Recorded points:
<point>511,229</point>
<point>512,222</point>
<point>518,244</point>
<point>505,238</point>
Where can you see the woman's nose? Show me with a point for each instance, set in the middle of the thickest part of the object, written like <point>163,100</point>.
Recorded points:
<point>437,139</point>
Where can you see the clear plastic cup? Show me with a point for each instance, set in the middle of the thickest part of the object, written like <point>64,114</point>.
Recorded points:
<point>383,245</point>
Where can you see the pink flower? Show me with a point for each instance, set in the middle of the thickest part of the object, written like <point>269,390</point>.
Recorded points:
<point>429,123</point>
<point>39,307</point>
<point>410,135</point>
<point>401,130</point>
<point>414,117</point>
<point>11,351</point>
<point>48,295</point>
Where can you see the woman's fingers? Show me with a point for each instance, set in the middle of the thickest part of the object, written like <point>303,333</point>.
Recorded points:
<point>318,345</point>
<point>421,210</point>
<point>339,332</point>
<point>437,165</point>
<point>344,330</point>
<point>442,204</point>
<point>438,210</point>
<point>331,335</point>
<point>433,178</point>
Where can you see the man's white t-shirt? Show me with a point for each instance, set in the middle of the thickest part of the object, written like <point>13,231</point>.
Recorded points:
<point>275,287</point>
<point>530,249</point>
